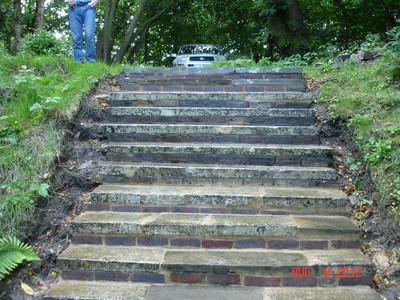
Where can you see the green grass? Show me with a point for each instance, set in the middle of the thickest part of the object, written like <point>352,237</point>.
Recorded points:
<point>367,101</point>
<point>46,93</point>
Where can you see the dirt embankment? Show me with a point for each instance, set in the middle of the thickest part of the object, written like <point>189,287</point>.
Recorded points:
<point>71,184</point>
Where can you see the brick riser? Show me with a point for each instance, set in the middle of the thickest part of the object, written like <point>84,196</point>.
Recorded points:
<point>305,161</point>
<point>126,77</point>
<point>275,121</point>
<point>217,278</point>
<point>226,243</point>
<point>211,88</point>
<point>214,138</point>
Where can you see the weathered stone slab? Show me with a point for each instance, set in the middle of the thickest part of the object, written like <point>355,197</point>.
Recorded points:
<point>264,261</point>
<point>212,171</point>
<point>328,223</point>
<point>233,261</point>
<point>206,129</point>
<point>202,96</point>
<point>210,70</point>
<point>201,111</point>
<point>290,200</point>
<point>169,292</point>
<point>213,225</point>
<point>219,153</point>
<point>337,293</point>
<point>97,290</point>
<point>105,258</point>
<point>211,81</point>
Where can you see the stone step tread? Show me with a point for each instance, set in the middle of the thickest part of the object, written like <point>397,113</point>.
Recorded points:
<point>111,290</point>
<point>211,81</point>
<point>222,199</point>
<point>221,96</point>
<point>134,258</point>
<point>205,169</point>
<point>197,174</point>
<point>211,70</point>
<point>229,191</point>
<point>201,224</point>
<point>227,148</point>
<point>125,172</point>
<point>206,129</point>
<point>97,290</point>
<point>207,111</point>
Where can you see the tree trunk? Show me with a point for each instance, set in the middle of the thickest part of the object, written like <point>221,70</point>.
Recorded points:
<point>40,14</point>
<point>130,32</point>
<point>288,30</point>
<point>17,25</point>
<point>143,32</point>
<point>108,19</point>
<point>138,43</point>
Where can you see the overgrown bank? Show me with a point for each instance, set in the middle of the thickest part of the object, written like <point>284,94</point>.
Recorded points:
<point>358,111</point>
<point>40,96</point>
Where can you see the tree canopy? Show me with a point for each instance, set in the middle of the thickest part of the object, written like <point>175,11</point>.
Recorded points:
<point>147,31</point>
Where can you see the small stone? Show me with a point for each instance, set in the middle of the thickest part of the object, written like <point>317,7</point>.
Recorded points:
<point>85,165</point>
<point>353,200</point>
<point>381,260</point>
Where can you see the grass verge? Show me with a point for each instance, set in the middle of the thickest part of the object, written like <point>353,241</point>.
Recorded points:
<point>366,100</point>
<point>40,95</point>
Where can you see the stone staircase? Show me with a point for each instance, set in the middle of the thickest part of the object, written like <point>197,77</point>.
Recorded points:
<point>215,186</point>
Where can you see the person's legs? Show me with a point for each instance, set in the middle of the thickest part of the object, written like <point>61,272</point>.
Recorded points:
<point>90,33</point>
<point>76,27</point>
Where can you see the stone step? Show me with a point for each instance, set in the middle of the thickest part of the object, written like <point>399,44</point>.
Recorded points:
<point>112,290</point>
<point>212,73</point>
<point>247,154</point>
<point>210,99</point>
<point>136,173</point>
<point>189,115</point>
<point>245,267</point>
<point>218,199</point>
<point>213,85</point>
<point>151,80</point>
<point>215,230</point>
<point>210,133</point>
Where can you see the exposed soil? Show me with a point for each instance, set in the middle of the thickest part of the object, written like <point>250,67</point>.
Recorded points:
<point>73,181</point>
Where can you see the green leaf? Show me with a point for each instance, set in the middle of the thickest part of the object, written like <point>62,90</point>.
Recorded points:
<point>14,185</point>
<point>43,190</point>
<point>12,253</point>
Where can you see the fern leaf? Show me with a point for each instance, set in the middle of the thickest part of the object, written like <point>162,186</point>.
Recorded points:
<point>12,253</point>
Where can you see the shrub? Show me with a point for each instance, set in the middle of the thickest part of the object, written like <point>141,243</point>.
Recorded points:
<point>43,43</point>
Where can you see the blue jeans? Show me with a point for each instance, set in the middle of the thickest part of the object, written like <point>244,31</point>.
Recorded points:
<point>83,18</point>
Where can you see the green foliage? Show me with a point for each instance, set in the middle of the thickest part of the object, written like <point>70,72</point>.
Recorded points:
<point>377,150</point>
<point>9,131</point>
<point>237,63</point>
<point>270,7</point>
<point>44,43</point>
<point>46,92</point>
<point>46,108</point>
<point>365,98</point>
<point>392,55</point>
<point>12,253</point>
<point>18,204</point>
